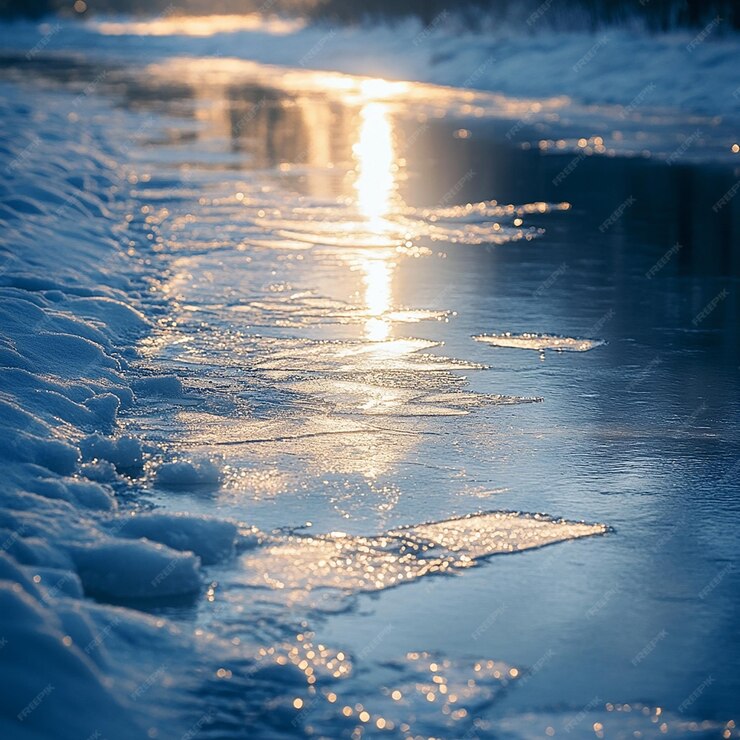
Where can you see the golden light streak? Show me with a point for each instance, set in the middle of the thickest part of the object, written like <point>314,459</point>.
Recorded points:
<point>375,185</point>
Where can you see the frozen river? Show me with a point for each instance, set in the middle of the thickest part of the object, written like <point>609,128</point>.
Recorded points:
<point>363,288</point>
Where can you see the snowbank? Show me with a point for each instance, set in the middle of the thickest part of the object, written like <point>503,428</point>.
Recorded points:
<point>70,308</point>
<point>687,71</point>
<point>136,570</point>
<point>51,688</point>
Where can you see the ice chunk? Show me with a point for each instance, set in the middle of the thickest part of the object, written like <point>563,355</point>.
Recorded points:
<point>355,563</point>
<point>539,342</point>
<point>102,471</point>
<point>164,386</point>
<point>105,406</point>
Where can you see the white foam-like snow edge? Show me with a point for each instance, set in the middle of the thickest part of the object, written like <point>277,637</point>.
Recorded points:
<point>70,309</point>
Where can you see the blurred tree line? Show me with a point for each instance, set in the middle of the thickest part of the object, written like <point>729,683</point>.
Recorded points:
<point>656,15</point>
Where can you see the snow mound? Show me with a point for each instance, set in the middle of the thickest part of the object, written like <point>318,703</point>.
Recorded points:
<point>124,452</point>
<point>185,474</point>
<point>136,570</point>
<point>52,678</point>
<point>68,315</point>
<point>164,386</point>
<point>212,540</point>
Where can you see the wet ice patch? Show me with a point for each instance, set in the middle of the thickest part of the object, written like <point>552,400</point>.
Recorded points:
<point>602,719</point>
<point>418,695</point>
<point>539,342</point>
<point>355,563</point>
<point>315,225</point>
<point>304,308</point>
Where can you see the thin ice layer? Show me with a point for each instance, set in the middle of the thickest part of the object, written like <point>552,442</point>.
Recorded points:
<point>539,342</point>
<point>353,563</point>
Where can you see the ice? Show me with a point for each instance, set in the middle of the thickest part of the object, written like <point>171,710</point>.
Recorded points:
<point>539,342</point>
<point>608,719</point>
<point>351,563</point>
<point>104,325</point>
<point>422,693</point>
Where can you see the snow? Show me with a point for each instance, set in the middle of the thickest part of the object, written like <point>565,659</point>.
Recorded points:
<point>52,676</point>
<point>136,570</point>
<point>186,474</point>
<point>123,452</point>
<point>212,540</point>
<point>69,310</point>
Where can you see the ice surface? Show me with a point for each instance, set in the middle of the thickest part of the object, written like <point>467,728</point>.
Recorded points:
<point>539,342</point>
<point>355,563</point>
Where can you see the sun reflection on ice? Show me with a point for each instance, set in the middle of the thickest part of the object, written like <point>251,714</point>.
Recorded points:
<point>375,163</point>
<point>377,279</point>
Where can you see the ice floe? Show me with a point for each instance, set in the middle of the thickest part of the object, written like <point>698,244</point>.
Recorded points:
<point>539,342</point>
<point>352,563</point>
